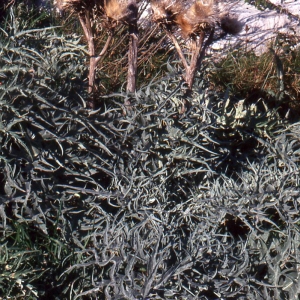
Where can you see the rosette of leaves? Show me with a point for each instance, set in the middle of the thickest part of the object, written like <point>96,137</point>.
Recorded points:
<point>43,152</point>
<point>128,201</point>
<point>260,214</point>
<point>168,236</point>
<point>181,229</point>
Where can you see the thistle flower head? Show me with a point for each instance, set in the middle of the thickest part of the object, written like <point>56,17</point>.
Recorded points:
<point>121,10</point>
<point>164,11</point>
<point>196,16</point>
<point>189,15</point>
<point>230,24</point>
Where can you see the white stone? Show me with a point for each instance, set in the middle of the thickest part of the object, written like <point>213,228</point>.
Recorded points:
<point>260,27</point>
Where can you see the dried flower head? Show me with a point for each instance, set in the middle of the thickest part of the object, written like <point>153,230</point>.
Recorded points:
<point>230,24</point>
<point>190,16</point>
<point>196,17</point>
<point>165,11</point>
<point>121,10</point>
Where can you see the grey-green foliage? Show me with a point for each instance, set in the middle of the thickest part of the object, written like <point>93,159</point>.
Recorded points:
<point>134,200</point>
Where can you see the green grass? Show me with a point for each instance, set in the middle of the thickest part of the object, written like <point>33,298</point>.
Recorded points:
<point>272,77</point>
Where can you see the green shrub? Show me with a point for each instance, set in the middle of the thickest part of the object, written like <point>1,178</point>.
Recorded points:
<point>134,200</point>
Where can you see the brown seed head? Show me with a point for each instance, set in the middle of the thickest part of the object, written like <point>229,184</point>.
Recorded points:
<point>196,17</point>
<point>121,10</point>
<point>164,11</point>
<point>231,25</point>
